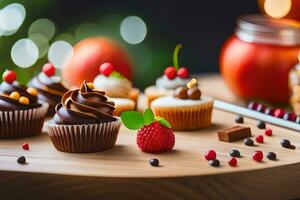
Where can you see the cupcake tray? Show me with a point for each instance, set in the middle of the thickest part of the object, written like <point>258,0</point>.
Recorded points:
<point>183,171</point>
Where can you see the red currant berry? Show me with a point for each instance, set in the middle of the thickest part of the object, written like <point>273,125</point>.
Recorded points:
<point>210,155</point>
<point>25,146</point>
<point>170,72</point>
<point>49,69</point>
<point>279,113</point>
<point>9,76</point>
<point>183,72</point>
<point>257,156</point>
<point>268,132</point>
<point>260,139</point>
<point>232,162</point>
<point>106,68</point>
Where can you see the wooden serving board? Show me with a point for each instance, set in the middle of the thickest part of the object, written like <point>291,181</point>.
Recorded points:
<point>183,171</point>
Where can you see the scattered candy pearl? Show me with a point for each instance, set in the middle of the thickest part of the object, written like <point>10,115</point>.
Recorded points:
<point>24,100</point>
<point>14,95</point>
<point>268,132</point>
<point>154,162</point>
<point>285,143</point>
<point>21,160</point>
<point>248,142</point>
<point>261,125</point>
<point>239,119</point>
<point>9,76</point>
<point>214,163</point>
<point>25,146</point>
<point>210,155</point>
<point>235,153</point>
<point>232,162</point>
<point>271,156</point>
<point>257,156</point>
<point>259,139</point>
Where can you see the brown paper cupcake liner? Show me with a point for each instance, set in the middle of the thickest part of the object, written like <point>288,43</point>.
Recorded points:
<point>84,138</point>
<point>22,123</point>
<point>187,118</point>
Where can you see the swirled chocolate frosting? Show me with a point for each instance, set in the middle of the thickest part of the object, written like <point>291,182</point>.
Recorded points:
<point>9,104</point>
<point>84,106</point>
<point>50,89</point>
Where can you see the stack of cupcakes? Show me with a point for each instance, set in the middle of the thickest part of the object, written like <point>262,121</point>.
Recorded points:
<point>20,113</point>
<point>118,88</point>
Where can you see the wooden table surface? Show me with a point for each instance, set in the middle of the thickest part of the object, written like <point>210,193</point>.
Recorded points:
<point>124,172</point>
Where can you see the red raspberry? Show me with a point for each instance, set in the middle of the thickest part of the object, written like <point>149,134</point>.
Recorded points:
<point>9,76</point>
<point>260,139</point>
<point>25,146</point>
<point>279,113</point>
<point>268,132</point>
<point>210,155</point>
<point>258,156</point>
<point>170,72</point>
<point>106,68</point>
<point>183,72</point>
<point>49,69</point>
<point>232,162</point>
<point>155,138</point>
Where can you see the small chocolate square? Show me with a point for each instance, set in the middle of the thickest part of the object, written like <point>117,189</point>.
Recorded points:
<point>234,133</point>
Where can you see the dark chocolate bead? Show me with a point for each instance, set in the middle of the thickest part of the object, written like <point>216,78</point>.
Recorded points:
<point>235,153</point>
<point>261,125</point>
<point>285,143</point>
<point>248,142</point>
<point>239,119</point>
<point>271,155</point>
<point>154,162</point>
<point>214,163</point>
<point>21,160</point>
<point>293,147</point>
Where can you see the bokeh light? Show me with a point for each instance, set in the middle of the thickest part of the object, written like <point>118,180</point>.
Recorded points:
<point>60,53</point>
<point>65,37</point>
<point>133,30</point>
<point>87,30</point>
<point>42,26</point>
<point>11,18</point>
<point>277,8</point>
<point>42,43</point>
<point>24,53</point>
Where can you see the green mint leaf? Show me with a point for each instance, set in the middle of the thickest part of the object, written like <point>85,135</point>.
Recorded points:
<point>132,120</point>
<point>163,122</point>
<point>148,116</point>
<point>117,75</point>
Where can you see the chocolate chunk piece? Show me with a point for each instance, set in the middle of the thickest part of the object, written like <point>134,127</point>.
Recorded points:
<point>234,133</point>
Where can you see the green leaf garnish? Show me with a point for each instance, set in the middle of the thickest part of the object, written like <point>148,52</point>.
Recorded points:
<point>117,75</point>
<point>163,122</point>
<point>175,56</point>
<point>148,116</point>
<point>132,120</point>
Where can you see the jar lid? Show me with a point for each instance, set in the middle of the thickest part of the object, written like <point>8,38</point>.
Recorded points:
<point>263,29</point>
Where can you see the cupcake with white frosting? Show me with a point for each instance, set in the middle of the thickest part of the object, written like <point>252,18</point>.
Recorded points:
<point>174,77</point>
<point>116,86</point>
<point>187,109</point>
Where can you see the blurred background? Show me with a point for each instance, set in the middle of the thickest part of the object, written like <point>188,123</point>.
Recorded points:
<point>54,25</point>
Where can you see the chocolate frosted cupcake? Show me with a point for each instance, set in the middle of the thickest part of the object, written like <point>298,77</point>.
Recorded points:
<point>50,88</point>
<point>20,113</point>
<point>84,121</point>
<point>187,109</point>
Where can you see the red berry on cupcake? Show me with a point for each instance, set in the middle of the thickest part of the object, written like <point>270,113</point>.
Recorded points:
<point>154,133</point>
<point>49,69</point>
<point>170,72</point>
<point>183,72</point>
<point>106,68</point>
<point>9,76</point>
<point>173,71</point>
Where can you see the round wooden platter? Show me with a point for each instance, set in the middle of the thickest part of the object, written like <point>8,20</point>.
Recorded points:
<point>183,172</point>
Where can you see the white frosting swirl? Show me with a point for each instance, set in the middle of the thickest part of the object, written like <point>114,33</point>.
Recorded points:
<point>170,101</point>
<point>112,86</point>
<point>165,83</point>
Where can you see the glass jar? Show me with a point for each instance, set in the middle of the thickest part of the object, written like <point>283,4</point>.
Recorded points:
<point>256,59</point>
